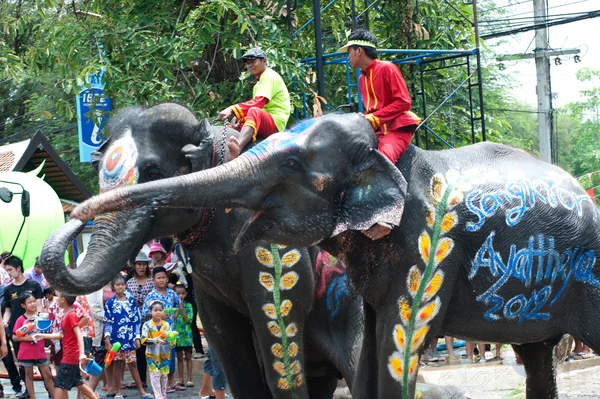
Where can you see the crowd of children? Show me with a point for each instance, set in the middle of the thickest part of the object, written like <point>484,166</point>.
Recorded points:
<point>85,329</point>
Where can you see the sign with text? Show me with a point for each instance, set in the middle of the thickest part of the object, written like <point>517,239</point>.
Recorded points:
<point>90,129</point>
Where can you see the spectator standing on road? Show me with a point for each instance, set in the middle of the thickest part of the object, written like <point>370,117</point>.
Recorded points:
<point>170,300</point>
<point>269,109</point>
<point>12,305</point>
<point>140,285</point>
<point>158,352</point>
<point>122,324</point>
<point>69,375</point>
<point>183,326</point>
<point>7,358</point>
<point>31,353</point>
<point>35,274</point>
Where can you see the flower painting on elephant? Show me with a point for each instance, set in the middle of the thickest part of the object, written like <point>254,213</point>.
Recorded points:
<point>119,166</point>
<point>421,305</point>
<point>277,282</point>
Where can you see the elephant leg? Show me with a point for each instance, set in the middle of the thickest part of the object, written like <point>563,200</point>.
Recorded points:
<point>538,360</point>
<point>230,335</point>
<point>365,381</point>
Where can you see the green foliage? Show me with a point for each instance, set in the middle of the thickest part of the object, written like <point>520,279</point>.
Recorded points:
<point>188,52</point>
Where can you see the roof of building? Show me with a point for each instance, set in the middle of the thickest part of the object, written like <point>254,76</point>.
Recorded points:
<point>28,155</point>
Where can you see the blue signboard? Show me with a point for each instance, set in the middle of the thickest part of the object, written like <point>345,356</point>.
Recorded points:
<point>90,133</point>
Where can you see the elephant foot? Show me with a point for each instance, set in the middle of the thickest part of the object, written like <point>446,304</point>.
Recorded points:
<point>377,231</point>
<point>234,148</point>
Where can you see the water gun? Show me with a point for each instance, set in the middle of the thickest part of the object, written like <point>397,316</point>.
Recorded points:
<point>110,356</point>
<point>172,337</point>
<point>25,329</point>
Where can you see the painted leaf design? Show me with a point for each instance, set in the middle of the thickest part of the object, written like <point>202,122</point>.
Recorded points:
<point>413,365</point>
<point>455,198</point>
<point>295,367</point>
<point>404,310</point>
<point>286,307</point>
<point>274,328</point>
<point>283,384</point>
<point>444,248</point>
<point>438,186</point>
<point>395,366</point>
<point>428,312</point>
<point>298,380</point>
<point>270,311</point>
<point>425,246</point>
<point>266,280</point>
<point>400,338</point>
<point>418,338</point>
<point>288,281</point>
<point>414,280</point>
<point>293,349</point>
<point>264,256</point>
<point>434,285</point>
<point>277,350</point>
<point>449,221</point>
<point>291,330</point>
<point>430,215</point>
<point>279,367</point>
<point>290,258</point>
<point>281,246</point>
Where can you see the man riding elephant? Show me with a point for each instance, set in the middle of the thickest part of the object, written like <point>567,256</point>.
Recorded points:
<point>269,109</point>
<point>387,105</point>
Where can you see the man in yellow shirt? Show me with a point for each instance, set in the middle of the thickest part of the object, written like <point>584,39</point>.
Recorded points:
<point>269,109</point>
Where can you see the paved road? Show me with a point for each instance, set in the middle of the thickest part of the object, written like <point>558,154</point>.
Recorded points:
<point>580,384</point>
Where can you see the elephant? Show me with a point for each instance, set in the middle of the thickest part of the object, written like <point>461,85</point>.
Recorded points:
<point>282,320</point>
<point>490,244</point>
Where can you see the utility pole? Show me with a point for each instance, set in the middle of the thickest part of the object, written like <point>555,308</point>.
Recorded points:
<point>544,89</point>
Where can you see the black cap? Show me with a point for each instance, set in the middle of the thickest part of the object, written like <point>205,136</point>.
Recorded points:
<point>253,54</point>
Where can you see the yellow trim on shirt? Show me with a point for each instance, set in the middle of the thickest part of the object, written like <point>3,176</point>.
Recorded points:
<point>373,88</point>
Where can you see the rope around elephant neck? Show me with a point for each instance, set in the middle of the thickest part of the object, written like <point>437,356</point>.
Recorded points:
<point>195,235</point>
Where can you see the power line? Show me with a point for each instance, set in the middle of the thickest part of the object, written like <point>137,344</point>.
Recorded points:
<point>515,110</point>
<point>508,5</point>
<point>589,15</point>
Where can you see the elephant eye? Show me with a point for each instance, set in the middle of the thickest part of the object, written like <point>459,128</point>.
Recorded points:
<point>292,163</point>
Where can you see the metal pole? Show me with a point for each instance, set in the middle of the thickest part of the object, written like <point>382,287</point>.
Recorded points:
<point>479,75</point>
<point>544,90</point>
<point>367,23</point>
<point>414,92</point>
<point>353,9</point>
<point>319,48</point>
<point>471,100</point>
<point>424,105</point>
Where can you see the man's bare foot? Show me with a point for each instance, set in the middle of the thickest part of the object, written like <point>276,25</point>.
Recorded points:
<point>234,148</point>
<point>377,231</point>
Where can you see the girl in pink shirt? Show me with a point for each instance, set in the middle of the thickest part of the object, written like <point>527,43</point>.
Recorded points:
<point>31,353</point>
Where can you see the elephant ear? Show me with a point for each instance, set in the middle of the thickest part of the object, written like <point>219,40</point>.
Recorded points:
<point>200,155</point>
<point>96,156</point>
<point>376,195</point>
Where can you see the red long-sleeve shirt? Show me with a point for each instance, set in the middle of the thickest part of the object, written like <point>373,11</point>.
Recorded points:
<point>385,97</point>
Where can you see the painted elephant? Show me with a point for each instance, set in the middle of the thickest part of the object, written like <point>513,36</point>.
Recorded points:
<point>490,244</point>
<point>282,320</point>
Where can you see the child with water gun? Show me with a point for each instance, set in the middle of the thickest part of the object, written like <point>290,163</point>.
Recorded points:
<point>158,350</point>
<point>31,352</point>
<point>122,325</point>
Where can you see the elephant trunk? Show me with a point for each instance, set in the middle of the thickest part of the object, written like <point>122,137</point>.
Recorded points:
<point>114,241</point>
<point>235,184</point>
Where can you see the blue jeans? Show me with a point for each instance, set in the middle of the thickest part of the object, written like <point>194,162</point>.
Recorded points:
<point>213,367</point>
